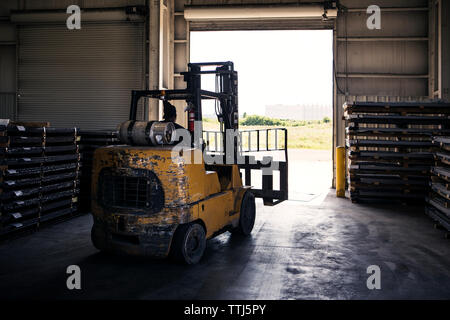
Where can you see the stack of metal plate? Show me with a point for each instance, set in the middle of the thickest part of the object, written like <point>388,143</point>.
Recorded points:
<point>39,174</point>
<point>89,141</point>
<point>438,201</point>
<point>390,148</point>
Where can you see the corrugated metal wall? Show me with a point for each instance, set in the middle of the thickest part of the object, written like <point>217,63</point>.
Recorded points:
<point>60,4</point>
<point>8,73</point>
<point>387,64</point>
<point>445,52</point>
<point>7,70</point>
<point>79,78</point>
<point>7,81</point>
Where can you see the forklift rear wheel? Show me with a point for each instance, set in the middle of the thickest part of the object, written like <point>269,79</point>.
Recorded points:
<point>189,243</point>
<point>248,215</point>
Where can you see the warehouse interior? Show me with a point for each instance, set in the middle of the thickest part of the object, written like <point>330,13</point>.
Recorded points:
<point>74,85</point>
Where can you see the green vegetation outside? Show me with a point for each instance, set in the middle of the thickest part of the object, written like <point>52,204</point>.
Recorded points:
<point>308,134</point>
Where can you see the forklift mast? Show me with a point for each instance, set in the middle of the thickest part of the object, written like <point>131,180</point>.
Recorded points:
<point>226,95</point>
<point>226,85</point>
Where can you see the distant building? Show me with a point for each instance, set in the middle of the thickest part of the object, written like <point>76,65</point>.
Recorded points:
<point>299,112</point>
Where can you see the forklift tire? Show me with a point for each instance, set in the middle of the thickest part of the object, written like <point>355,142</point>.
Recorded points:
<point>189,243</point>
<point>248,215</point>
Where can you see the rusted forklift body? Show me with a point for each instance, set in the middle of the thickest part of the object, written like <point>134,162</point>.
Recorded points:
<point>150,198</point>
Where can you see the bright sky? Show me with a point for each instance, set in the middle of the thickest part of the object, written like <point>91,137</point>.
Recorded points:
<point>274,67</point>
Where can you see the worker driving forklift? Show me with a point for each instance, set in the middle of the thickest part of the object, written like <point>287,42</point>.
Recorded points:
<point>170,114</point>
<point>152,198</point>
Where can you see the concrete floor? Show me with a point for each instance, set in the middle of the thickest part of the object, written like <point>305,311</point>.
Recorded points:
<point>297,251</point>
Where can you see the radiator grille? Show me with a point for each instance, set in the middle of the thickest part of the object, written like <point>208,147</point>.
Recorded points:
<point>140,189</point>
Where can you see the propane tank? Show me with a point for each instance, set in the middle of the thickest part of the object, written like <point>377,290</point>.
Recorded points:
<point>147,133</point>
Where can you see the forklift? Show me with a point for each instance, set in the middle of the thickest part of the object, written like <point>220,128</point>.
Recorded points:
<point>151,197</point>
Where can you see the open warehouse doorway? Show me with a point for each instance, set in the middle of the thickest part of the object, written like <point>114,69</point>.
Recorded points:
<point>285,80</point>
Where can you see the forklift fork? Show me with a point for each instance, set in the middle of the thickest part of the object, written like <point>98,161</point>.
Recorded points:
<point>267,166</point>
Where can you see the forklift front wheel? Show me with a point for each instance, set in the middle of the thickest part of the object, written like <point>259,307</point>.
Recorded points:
<point>189,243</point>
<point>247,216</point>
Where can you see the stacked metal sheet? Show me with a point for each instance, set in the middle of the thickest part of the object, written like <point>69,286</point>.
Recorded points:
<point>39,174</point>
<point>89,141</point>
<point>390,149</point>
<point>438,201</point>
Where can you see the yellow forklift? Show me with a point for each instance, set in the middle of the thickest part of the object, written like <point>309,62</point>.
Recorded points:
<point>153,197</point>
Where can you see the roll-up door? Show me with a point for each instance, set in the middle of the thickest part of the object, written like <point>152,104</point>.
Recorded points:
<point>231,25</point>
<point>80,77</point>
<point>7,81</point>
<point>261,17</point>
